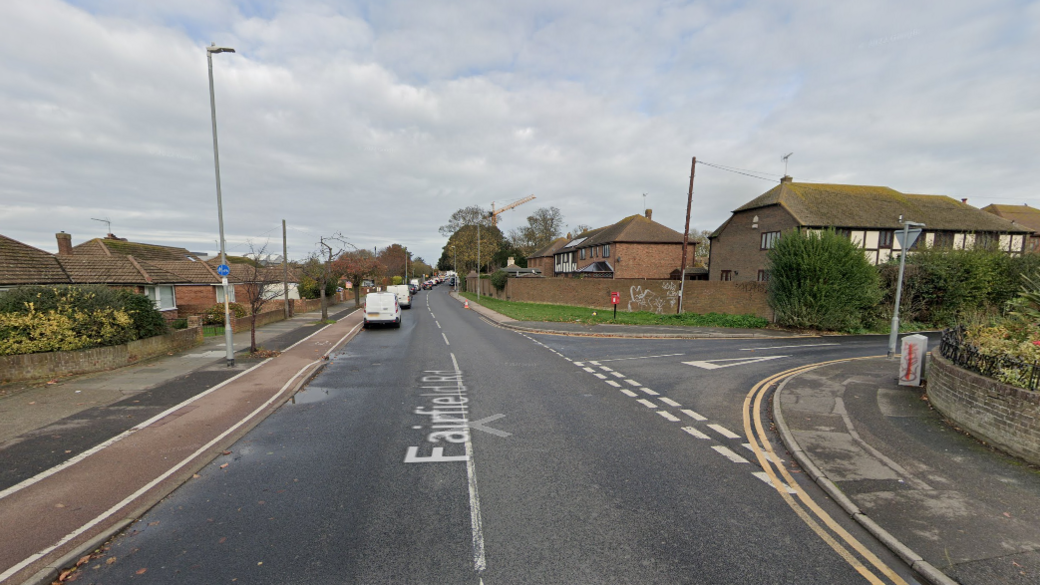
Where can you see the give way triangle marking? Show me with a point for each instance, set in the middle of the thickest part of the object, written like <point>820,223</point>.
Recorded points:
<point>715,364</point>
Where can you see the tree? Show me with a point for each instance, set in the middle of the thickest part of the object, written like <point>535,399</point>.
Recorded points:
<point>322,269</point>
<point>420,267</point>
<point>357,265</point>
<point>821,281</point>
<point>703,247</point>
<point>471,215</point>
<point>543,226</point>
<point>465,242</point>
<point>394,259</point>
<point>580,229</point>
<point>258,282</point>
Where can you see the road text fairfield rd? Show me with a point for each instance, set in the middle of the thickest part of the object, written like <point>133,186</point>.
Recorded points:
<point>448,420</point>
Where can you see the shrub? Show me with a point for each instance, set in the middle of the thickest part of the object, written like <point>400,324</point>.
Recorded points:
<point>396,280</point>
<point>63,328</point>
<point>148,321</point>
<point>49,298</point>
<point>821,281</point>
<point>179,324</point>
<point>309,289</point>
<point>215,314</point>
<point>499,279</point>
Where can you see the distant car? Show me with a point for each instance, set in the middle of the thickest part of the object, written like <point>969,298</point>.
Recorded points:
<point>404,295</point>
<point>428,285</point>
<point>413,288</point>
<point>382,308</point>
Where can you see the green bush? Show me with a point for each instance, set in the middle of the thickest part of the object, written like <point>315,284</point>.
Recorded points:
<point>179,324</point>
<point>148,321</point>
<point>396,280</point>
<point>48,298</point>
<point>309,288</point>
<point>499,279</point>
<point>215,314</point>
<point>821,281</point>
<point>62,318</point>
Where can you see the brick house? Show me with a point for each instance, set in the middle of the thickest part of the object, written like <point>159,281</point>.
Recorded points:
<point>1023,215</point>
<point>869,216</point>
<point>635,247</point>
<point>21,264</point>
<point>542,259</point>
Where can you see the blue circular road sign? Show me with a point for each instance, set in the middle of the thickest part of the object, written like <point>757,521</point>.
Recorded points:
<point>223,270</point>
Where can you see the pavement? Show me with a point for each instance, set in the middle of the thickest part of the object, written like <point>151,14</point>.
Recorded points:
<point>81,458</point>
<point>954,509</point>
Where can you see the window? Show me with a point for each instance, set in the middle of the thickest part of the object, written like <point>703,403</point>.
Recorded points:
<point>231,287</point>
<point>943,240</point>
<point>606,250</point>
<point>581,254</point>
<point>726,275</point>
<point>763,276</point>
<point>769,239</point>
<point>885,239</point>
<point>162,296</point>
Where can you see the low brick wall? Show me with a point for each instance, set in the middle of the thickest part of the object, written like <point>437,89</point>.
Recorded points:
<point>657,296</point>
<point>1004,416</point>
<point>42,366</point>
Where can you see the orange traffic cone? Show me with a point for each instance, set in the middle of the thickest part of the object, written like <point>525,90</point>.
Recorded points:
<point>466,306</point>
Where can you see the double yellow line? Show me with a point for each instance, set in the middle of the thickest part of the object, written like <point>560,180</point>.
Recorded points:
<point>809,511</point>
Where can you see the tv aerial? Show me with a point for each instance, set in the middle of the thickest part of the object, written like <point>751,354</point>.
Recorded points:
<point>107,222</point>
<point>784,158</point>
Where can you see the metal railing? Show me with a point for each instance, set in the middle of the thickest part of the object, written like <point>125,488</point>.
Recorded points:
<point>1006,369</point>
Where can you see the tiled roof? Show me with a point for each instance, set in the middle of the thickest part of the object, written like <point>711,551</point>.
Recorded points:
<point>549,249</point>
<point>115,270</point>
<point>146,252</point>
<point>190,272</point>
<point>1021,214</point>
<point>22,264</point>
<point>860,206</point>
<point>632,229</point>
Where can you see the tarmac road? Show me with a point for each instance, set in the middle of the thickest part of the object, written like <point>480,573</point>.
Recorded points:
<point>454,451</point>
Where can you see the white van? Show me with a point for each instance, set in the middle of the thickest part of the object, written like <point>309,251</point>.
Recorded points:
<point>382,308</point>
<point>404,296</point>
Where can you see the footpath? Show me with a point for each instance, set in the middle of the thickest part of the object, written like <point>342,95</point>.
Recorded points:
<point>82,458</point>
<point>952,508</point>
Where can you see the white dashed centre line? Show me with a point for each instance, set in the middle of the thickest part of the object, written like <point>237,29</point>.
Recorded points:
<point>438,324</point>
<point>694,432</point>
<point>669,401</point>
<point>445,339</point>
<point>645,402</point>
<point>605,369</point>
<point>628,392</point>
<point>725,452</point>
<point>617,374</point>
<point>600,376</point>
<point>649,391</point>
<point>723,431</point>
<point>615,384</point>
<point>693,414</point>
<point>633,382</point>
<point>594,363</point>
<point>589,370</point>
<point>668,416</point>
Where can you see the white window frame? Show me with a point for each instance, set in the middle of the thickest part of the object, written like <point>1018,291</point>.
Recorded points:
<point>162,302</point>
<point>220,292</point>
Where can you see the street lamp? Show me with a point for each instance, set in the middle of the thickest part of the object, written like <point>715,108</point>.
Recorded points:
<point>905,245</point>
<point>229,342</point>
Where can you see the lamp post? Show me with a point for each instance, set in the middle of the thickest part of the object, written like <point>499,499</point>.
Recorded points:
<point>229,341</point>
<point>478,261</point>
<point>905,244</point>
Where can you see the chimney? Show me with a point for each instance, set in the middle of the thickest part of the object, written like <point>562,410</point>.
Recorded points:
<point>569,236</point>
<point>964,201</point>
<point>510,263</point>
<point>64,243</point>
<point>649,214</point>
<point>787,179</point>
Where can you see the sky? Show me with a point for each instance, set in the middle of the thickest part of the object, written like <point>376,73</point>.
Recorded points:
<point>377,120</point>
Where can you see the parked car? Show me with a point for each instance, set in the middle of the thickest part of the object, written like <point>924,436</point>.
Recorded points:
<point>404,295</point>
<point>413,288</point>
<point>428,285</point>
<point>382,308</point>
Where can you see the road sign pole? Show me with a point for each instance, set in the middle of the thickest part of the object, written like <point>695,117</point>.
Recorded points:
<point>893,334</point>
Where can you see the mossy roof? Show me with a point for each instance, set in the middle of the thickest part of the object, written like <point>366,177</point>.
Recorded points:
<point>23,264</point>
<point>550,249</point>
<point>632,229</point>
<point>872,207</point>
<point>1021,214</point>
<point>146,252</point>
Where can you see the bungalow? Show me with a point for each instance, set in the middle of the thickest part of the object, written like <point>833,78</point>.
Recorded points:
<point>635,247</point>
<point>1023,215</point>
<point>869,216</point>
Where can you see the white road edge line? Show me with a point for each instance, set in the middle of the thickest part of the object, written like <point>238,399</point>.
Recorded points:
<point>144,489</point>
<point>669,401</point>
<point>57,468</point>
<point>479,561</point>
<point>725,452</point>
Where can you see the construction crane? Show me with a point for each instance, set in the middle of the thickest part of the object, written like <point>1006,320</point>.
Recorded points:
<point>495,212</point>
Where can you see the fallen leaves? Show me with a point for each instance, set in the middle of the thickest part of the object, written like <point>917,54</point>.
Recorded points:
<point>142,571</point>
<point>110,561</point>
<point>223,466</point>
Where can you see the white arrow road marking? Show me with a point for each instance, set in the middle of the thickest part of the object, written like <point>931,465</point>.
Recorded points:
<point>479,425</point>
<point>711,365</point>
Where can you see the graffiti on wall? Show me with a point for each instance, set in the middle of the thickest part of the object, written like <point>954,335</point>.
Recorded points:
<point>645,299</point>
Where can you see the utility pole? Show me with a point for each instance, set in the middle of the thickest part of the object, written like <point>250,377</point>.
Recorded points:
<point>686,238</point>
<point>285,273</point>
<point>478,261</point>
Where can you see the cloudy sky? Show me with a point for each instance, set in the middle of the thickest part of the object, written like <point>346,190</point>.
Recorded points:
<point>378,120</point>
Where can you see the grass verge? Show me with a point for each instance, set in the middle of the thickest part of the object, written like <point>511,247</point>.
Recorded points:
<point>571,314</point>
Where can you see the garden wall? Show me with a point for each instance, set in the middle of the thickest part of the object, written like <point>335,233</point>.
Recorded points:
<point>1004,416</point>
<point>657,296</point>
<point>42,366</point>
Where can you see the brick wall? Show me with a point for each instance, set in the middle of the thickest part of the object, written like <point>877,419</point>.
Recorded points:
<point>658,296</point>
<point>649,260</point>
<point>738,247</point>
<point>43,366</point>
<point>1002,415</point>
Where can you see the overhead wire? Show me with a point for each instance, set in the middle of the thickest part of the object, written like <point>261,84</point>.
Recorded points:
<point>738,171</point>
